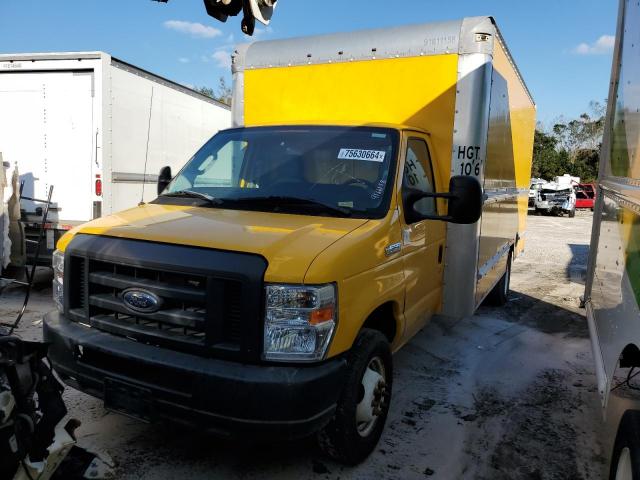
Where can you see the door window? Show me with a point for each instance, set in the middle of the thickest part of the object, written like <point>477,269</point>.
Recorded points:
<point>418,175</point>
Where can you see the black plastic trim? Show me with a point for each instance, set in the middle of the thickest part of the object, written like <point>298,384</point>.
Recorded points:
<point>122,281</point>
<point>217,266</point>
<point>212,394</point>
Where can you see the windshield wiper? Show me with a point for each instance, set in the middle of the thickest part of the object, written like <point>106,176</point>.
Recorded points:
<point>192,194</point>
<point>295,201</point>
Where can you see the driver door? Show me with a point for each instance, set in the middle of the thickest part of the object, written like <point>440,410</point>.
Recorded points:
<point>422,241</point>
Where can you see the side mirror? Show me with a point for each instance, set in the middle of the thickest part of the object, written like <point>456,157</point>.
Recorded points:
<point>464,202</point>
<point>164,178</point>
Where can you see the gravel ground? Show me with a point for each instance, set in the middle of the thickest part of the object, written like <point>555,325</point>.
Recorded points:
<point>508,393</point>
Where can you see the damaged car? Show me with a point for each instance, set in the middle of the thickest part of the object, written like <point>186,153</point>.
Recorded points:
<point>555,199</point>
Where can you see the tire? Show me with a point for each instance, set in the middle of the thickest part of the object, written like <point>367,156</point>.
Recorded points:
<point>572,213</point>
<point>500,293</point>
<point>625,459</point>
<point>344,438</point>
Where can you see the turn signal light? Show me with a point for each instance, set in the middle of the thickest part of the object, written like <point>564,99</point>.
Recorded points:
<point>322,315</point>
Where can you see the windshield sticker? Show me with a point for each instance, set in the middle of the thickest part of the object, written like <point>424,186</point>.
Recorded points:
<point>359,154</point>
<point>379,190</point>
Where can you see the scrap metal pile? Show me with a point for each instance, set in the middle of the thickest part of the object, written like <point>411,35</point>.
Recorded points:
<point>35,440</point>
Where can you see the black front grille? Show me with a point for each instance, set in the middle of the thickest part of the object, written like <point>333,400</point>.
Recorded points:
<point>201,311</point>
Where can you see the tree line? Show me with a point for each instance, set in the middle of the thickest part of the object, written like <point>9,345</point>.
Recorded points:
<point>571,147</point>
<point>222,93</point>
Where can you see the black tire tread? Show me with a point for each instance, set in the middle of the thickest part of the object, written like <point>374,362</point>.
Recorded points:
<point>628,436</point>
<point>337,439</point>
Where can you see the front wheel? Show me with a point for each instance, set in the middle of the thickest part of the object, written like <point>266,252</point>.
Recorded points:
<point>625,461</point>
<point>354,431</point>
<point>572,213</point>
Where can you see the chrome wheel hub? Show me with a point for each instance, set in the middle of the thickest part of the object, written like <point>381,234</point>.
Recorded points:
<point>373,397</point>
<point>624,470</point>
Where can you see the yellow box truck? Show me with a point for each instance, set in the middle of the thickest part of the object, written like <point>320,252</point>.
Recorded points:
<point>372,180</point>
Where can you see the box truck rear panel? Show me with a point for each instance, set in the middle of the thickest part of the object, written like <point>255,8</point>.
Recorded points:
<point>522,122</point>
<point>46,128</point>
<point>507,170</point>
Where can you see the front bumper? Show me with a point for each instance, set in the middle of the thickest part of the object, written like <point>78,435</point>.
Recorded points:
<point>224,397</point>
<point>552,208</point>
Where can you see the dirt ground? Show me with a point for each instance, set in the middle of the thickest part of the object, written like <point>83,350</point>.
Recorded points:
<point>508,393</point>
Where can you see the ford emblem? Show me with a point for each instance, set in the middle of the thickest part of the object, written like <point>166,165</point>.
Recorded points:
<point>141,301</point>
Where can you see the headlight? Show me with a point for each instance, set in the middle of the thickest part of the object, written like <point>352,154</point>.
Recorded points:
<point>58,278</point>
<point>299,322</point>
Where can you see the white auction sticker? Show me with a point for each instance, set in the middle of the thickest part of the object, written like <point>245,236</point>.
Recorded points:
<point>359,154</point>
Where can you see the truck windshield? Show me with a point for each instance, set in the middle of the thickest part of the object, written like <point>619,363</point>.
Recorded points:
<point>316,170</point>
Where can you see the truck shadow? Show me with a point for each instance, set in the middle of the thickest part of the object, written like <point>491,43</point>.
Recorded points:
<point>169,451</point>
<point>577,267</point>
<point>541,315</point>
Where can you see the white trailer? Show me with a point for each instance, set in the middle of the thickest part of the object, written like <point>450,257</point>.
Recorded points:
<point>612,293</point>
<point>96,128</point>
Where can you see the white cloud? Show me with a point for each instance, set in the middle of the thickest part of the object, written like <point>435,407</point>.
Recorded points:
<point>602,46</point>
<point>183,60</point>
<point>192,28</point>
<point>222,58</point>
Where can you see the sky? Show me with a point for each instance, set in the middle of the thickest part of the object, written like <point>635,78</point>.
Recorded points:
<point>562,47</point>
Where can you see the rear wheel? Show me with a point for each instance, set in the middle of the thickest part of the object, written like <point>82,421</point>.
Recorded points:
<point>625,461</point>
<point>500,293</point>
<point>354,431</point>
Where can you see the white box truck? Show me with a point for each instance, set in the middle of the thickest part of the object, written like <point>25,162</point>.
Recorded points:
<point>92,125</point>
<point>612,294</point>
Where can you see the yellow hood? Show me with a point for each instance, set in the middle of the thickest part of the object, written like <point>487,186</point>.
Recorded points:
<point>288,242</point>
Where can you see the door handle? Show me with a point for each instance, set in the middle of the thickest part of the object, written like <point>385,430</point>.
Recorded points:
<point>392,249</point>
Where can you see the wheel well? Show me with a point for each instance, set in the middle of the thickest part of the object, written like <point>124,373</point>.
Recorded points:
<point>630,356</point>
<point>383,320</point>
